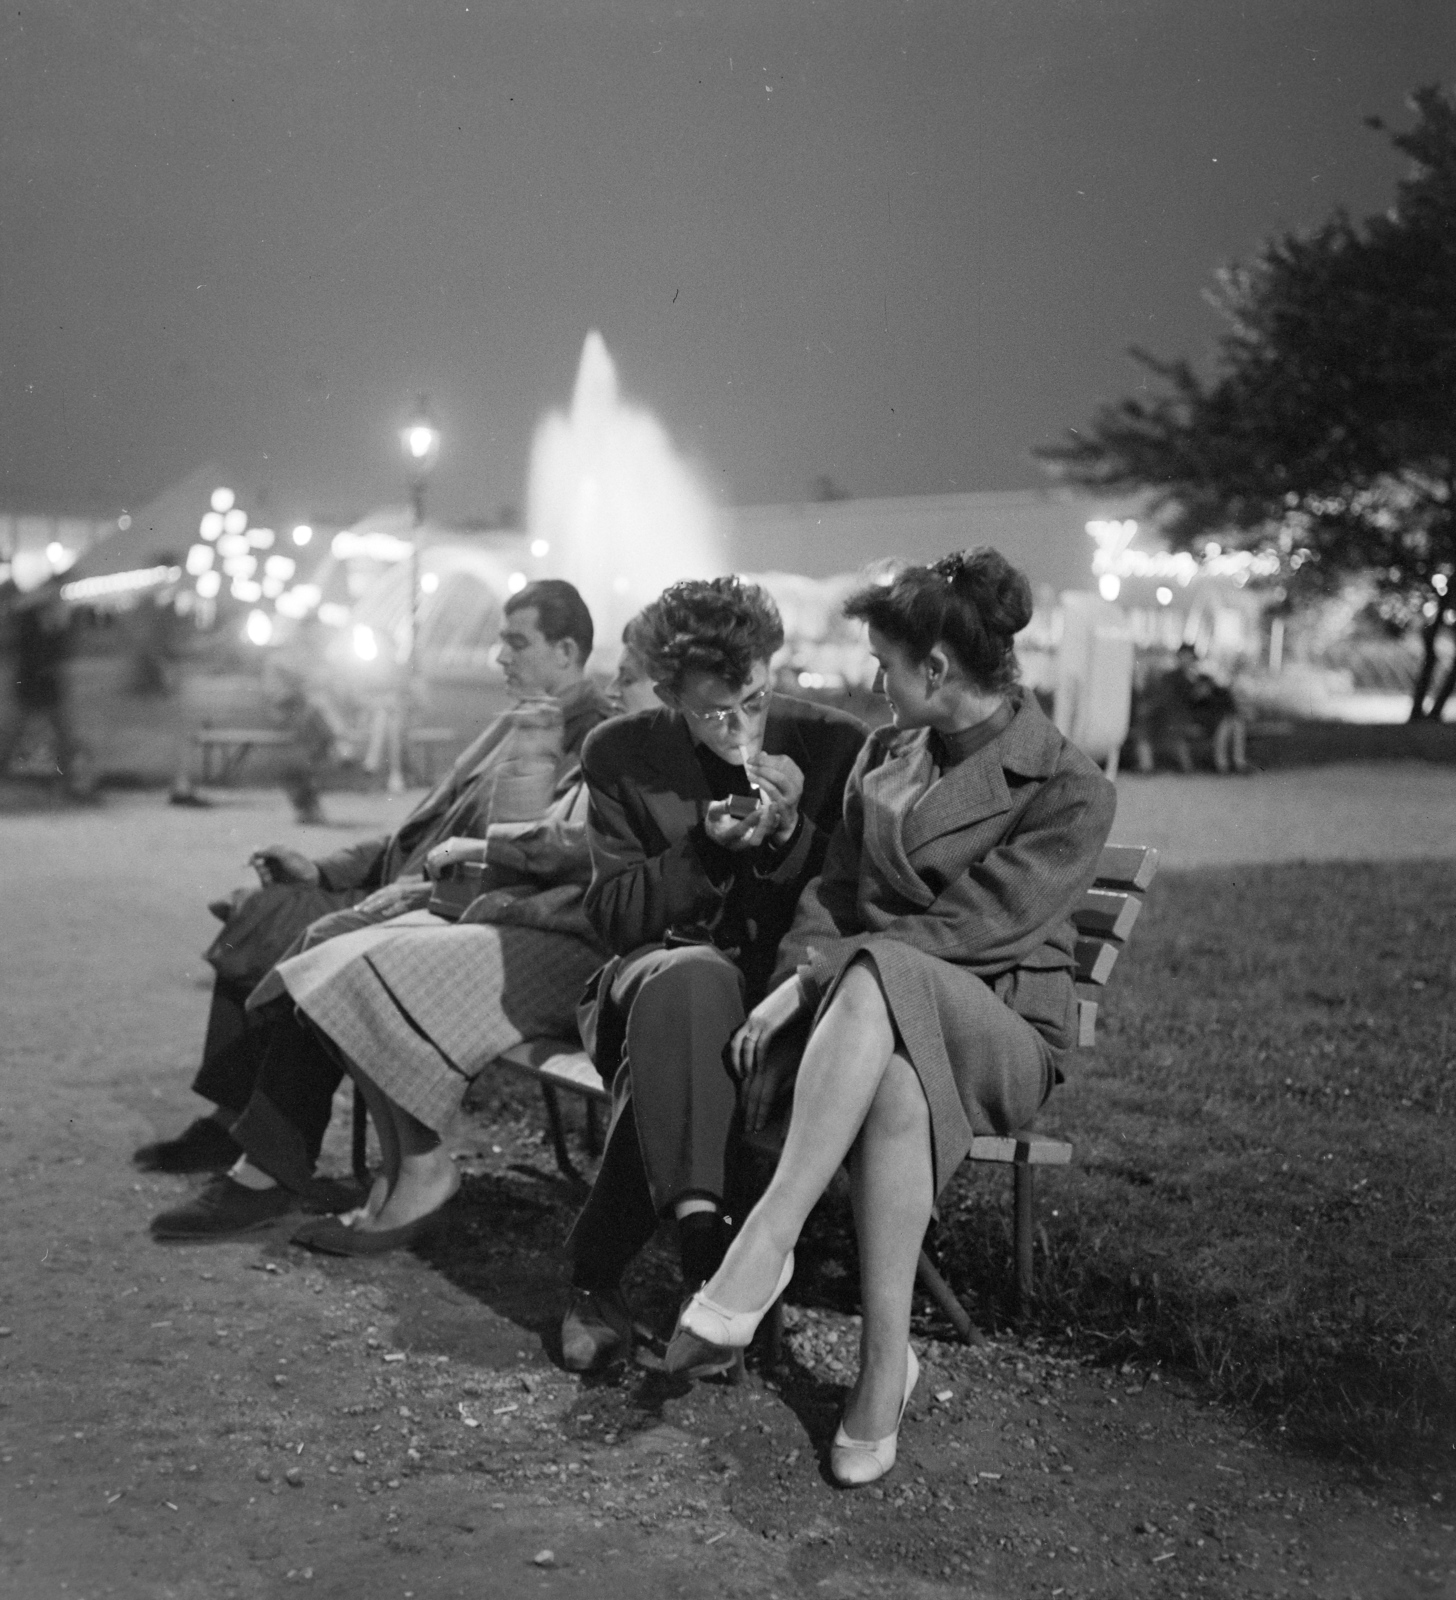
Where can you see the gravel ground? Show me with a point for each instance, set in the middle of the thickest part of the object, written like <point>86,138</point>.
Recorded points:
<point>244,1419</point>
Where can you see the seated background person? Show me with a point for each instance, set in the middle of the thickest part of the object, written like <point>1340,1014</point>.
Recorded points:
<point>693,900</point>
<point>936,955</point>
<point>415,1008</point>
<point>271,1081</point>
<point>1183,704</point>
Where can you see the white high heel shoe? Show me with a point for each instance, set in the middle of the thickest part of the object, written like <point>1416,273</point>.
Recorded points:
<point>856,1462</point>
<point>704,1326</point>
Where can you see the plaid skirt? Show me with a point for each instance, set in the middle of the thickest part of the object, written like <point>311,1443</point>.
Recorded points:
<point>419,1005</point>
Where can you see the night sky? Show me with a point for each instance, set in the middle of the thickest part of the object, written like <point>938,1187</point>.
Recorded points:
<point>896,244</point>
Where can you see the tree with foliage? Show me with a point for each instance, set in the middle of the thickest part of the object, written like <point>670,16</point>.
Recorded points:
<point>1327,434</point>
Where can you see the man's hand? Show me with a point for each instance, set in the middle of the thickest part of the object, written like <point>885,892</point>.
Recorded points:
<point>781,784</point>
<point>394,900</point>
<point>450,851</point>
<point>277,863</point>
<point>759,1070</point>
<point>738,833</point>
<point>546,854</point>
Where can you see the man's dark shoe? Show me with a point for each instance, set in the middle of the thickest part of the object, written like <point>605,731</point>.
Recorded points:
<point>224,1208</point>
<point>596,1330</point>
<point>206,1146</point>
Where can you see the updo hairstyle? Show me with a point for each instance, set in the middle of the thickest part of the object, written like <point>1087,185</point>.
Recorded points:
<point>973,603</point>
<point>719,626</point>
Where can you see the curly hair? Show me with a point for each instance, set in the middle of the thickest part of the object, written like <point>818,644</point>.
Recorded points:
<point>972,603</point>
<point>721,626</point>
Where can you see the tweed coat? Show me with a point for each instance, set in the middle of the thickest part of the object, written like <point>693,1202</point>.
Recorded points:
<point>960,886</point>
<point>653,866</point>
<point>266,923</point>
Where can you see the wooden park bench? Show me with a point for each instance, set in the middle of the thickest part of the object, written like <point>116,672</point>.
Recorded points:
<point>1104,921</point>
<point>224,750</point>
<point>229,748</point>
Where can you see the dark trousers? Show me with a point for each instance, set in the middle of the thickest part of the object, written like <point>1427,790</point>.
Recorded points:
<point>675,1102</point>
<point>273,1072</point>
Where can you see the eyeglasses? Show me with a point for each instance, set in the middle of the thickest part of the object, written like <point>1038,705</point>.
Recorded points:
<point>720,717</point>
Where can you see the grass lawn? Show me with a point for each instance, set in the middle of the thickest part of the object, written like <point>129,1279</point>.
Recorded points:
<point>1263,1189</point>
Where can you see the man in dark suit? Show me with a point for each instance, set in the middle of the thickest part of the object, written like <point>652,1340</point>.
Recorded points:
<point>707,818</point>
<point>270,1079</point>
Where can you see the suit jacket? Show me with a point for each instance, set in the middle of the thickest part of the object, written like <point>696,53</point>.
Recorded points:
<point>981,866</point>
<point>453,808</point>
<point>653,866</point>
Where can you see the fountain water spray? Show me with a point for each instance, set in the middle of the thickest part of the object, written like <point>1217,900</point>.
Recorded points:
<point>622,513</point>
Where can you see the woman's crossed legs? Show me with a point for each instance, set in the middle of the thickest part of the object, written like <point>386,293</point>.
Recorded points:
<point>856,1096</point>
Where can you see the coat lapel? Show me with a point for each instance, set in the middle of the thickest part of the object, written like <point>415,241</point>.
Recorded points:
<point>674,790</point>
<point>891,790</point>
<point>976,790</point>
<point>960,798</point>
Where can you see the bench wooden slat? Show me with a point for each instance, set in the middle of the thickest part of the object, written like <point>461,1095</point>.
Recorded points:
<point>1095,960</point>
<point>257,736</point>
<point>1107,913</point>
<point>1021,1149</point>
<point>576,1073</point>
<point>556,1061</point>
<point>1127,866</point>
<point>1086,1024</point>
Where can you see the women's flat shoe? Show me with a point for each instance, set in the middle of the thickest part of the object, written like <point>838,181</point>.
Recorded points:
<point>856,1462</point>
<point>335,1237</point>
<point>707,1332</point>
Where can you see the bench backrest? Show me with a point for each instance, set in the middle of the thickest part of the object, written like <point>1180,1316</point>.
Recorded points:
<point>1104,922</point>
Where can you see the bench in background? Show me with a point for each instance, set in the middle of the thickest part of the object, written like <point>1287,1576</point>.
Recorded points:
<point>224,750</point>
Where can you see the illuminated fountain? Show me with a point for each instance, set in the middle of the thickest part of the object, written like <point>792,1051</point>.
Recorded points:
<point>611,506</point>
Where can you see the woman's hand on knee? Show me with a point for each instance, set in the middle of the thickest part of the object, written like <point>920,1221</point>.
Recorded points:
<point>778,1008</point>
<point>761,1089</point>
<point>760,1071</point>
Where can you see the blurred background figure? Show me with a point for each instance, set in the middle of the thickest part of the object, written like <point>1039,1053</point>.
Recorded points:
<point>303,695</point>
<point>631,689</point>
<point>1181,706</point>
<point>37,633</point>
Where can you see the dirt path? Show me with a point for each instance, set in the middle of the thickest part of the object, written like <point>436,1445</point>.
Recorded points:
<point>244,1419</point>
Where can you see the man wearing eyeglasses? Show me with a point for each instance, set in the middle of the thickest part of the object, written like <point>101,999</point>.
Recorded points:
<point>707,817</point>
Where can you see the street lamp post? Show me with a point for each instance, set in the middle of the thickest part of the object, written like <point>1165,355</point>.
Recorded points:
<point>421,441</point>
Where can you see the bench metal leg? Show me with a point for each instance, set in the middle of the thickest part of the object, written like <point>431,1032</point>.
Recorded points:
<point>558,1131</point>
<point>1023,1209</point>
<point>944,1296</point>
<point>360,1134</point>
<point>593,1128</point>
<point>773,1333</point>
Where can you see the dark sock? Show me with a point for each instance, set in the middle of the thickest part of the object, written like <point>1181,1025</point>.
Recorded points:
<point>702,1241</point>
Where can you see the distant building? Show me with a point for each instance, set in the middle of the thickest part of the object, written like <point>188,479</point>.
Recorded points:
<point>35,545</point>
<point>1065,543</point>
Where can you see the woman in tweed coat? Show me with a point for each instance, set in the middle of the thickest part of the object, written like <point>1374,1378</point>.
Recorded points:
<point>936,956</point>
